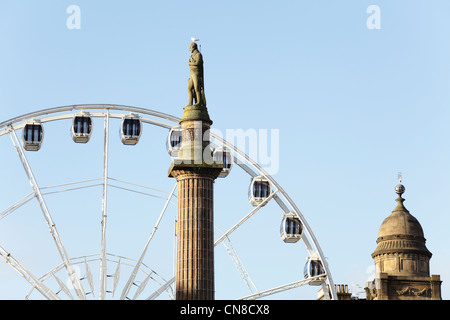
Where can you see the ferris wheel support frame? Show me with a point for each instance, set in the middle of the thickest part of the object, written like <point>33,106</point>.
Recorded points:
<point>296,211</point>
<point>28,276</point>
<point>10,126</point>
<point>61,249</point>
<point>130,281</point>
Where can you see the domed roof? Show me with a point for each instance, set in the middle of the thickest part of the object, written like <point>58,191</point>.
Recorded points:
<point>400,222</point>
<point>401,231</point>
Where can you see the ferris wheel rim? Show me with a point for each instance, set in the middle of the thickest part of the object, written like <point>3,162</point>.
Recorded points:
<point>71,110</point>
<point>80,107</point>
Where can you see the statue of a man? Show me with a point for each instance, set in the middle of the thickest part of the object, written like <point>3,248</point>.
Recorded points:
<point>196,85</point>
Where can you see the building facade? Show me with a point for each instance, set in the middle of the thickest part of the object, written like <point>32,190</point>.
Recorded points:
<point>402,260</point>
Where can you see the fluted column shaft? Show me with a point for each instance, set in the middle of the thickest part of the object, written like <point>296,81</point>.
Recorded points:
<point>195,235</point>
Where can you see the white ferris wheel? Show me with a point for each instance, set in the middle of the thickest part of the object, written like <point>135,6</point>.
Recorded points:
<point>91,215</point>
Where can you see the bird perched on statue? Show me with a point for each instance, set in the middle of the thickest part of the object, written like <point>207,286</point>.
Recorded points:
<point>194,39</point>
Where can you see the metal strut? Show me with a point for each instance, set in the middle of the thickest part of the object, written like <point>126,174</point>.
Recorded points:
<point>42,288</point>
<point>130,281</point>
<point>103,267</point>
<point>281,288</point>
<point>223,237</point>
<point>226,234</point>
<point>62,251</point>
<point>240,266</point>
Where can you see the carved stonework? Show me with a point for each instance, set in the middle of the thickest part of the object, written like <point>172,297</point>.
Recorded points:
<point>187,135</point>
<point>192,172</point>
<point>409,291</point>
<point>371,293</point>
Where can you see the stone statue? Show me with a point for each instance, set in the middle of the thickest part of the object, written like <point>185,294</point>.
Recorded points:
<point>196,84</point>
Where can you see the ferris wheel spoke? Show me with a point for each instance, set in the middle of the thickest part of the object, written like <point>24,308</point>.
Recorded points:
<point>62,251</point>
<point>251,213</point>
<point>142,287</point>
<point>161,289</point>
<point>72,189</point>
<point>279,289</point>
<point>17,205</point>
<point>70,184</point>
<point>142,186</point>
<point>116,276</point>
<point>240,266</point>
<point>130,281</point>
<point>139,192</point>
<point>89,276</point>
<point>27,275</point>
<point>103,263</point>
<point>63,287</point>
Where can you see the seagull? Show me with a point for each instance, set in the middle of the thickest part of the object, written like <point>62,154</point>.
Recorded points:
<point>194,39</point>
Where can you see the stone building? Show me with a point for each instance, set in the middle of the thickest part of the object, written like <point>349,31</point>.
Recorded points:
<point>402,260</point>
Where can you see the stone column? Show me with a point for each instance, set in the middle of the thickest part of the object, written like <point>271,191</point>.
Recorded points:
<point>195,235</point>
<point>195,173</point>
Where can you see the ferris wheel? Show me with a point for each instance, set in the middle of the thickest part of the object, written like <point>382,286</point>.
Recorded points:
<point>120,233</point>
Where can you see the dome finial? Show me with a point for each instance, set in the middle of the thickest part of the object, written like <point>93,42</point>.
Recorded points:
<point>399,189</point>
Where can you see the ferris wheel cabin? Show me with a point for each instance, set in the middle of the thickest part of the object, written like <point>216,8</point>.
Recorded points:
<point>314,268</point>
<point>259,190</point>
<point>81,128</point>
<point>291,229</point>
<point>221,154</point>
<point>131,130</point>
<point>33,135</point>
<point>174,139</point>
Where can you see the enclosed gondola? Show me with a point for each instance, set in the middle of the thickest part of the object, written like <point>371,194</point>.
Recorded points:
<point>33,135</point>
<point>131,130</point>
<point>314,268</point>
<point>82,126</point>
<point>291,229</point>
<point>174,139</point>
<point>259,190</point>
<point>222,155</point>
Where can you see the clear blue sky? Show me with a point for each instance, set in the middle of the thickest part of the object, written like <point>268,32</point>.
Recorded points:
<point>353,106</point>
